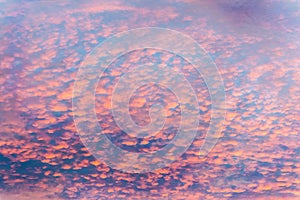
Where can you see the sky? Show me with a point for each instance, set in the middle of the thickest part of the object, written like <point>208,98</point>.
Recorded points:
<point>254,44</point>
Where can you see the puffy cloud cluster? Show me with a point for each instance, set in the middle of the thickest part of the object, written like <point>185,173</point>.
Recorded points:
<point>42,46</point>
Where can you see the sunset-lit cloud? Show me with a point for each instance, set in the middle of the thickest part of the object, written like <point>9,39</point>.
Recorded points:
<point>42,47</point>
